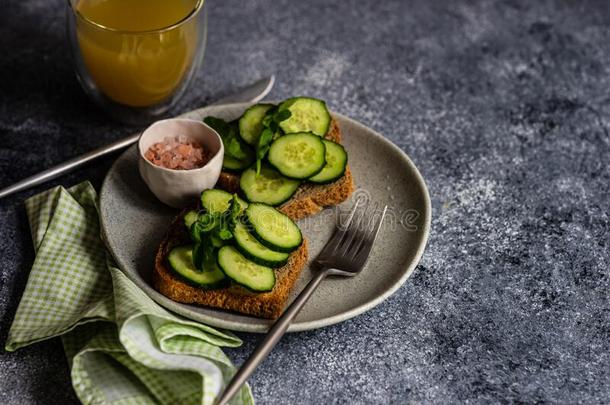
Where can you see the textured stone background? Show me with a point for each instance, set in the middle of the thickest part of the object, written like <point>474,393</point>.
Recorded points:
<point>505,108</point>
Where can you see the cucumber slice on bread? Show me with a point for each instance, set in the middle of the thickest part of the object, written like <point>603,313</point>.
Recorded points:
<point>251,122</point>
<point>336,161</point>
<point>181,261</point>
<point>307,115</point>
<point>272,228</point>
<point>252,249</point>
<point>217,201</point>
<point>299,155</point>
<point>245,272</point>
<point>268,187</point>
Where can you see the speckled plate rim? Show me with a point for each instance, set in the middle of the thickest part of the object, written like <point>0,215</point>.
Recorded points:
<point>184,310</point>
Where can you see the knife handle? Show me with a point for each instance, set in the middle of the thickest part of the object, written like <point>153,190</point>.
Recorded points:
<point>68,165</point>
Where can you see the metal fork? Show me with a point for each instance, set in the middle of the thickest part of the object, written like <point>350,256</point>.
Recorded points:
<point>345,254</point>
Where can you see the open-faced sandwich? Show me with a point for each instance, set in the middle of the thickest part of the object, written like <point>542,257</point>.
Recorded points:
<point>239,249</point>
<point>289,156</point>
<point>232,255</point>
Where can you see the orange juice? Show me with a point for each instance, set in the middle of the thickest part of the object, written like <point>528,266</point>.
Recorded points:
<point>132,50</point>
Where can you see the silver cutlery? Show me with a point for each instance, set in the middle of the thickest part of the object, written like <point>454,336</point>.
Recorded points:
<point>251,93</point>
<point>345,254</point>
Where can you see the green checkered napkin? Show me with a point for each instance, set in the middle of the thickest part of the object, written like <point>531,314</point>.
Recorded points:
<point>122,347</point>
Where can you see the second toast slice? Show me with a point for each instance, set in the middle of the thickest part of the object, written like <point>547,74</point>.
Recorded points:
<point>234,298</point>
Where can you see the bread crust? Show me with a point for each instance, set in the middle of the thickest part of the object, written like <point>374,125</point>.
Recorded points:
<point>234,298</point>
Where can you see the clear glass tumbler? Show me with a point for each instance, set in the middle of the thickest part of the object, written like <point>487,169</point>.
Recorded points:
<point>136,75</point>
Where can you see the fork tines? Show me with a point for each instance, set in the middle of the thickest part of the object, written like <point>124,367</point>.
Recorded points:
<point>349,247</point>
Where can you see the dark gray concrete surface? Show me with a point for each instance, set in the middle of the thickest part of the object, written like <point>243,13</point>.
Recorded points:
<point>505,108</point>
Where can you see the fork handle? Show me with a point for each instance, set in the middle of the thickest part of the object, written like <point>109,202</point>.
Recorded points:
<point>273,336</point>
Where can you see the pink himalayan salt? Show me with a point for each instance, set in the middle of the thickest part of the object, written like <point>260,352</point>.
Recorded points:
<point>178,153</point>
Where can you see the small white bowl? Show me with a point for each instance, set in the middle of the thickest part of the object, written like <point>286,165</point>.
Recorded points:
<point>179,188</point>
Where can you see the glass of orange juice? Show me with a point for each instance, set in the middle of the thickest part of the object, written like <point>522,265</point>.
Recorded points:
<point>135,58</point>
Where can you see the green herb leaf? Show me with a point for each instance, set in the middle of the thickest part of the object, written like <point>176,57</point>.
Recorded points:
<point>209,256</point>
<point>208,221</point>
<point>234,148</point>
<point>211,231</point>
<point>268,118</point>
<point>204,254</point>
<point>198,255</point>
<point>269,133</point>
<point>217,124</point>
<point>229,133</point>
<point>234,212</point>
<point>196,231</point>
<point>281,116</point>
<point>262,147</point>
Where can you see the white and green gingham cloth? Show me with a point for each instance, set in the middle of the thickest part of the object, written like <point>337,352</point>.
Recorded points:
<point>122,347</point>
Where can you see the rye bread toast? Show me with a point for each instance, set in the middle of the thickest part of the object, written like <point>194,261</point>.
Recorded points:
<point>234,298</point>
<point>309,198</point>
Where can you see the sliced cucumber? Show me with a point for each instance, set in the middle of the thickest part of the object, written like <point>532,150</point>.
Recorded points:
<point>190,218</point>
<point>307,115</point>
<point>217,201</point>
<point>250,247</point>
<point>336,161</point>
<point>272,228</point>
<point>245,272</point>
<point>236,165</point>
<point>298,156</point>
<point>268,187</point>
<point>251,122</point>
<point>181,261</point>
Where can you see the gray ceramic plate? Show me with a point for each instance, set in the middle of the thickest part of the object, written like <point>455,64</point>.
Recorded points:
<point>134,222</point>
